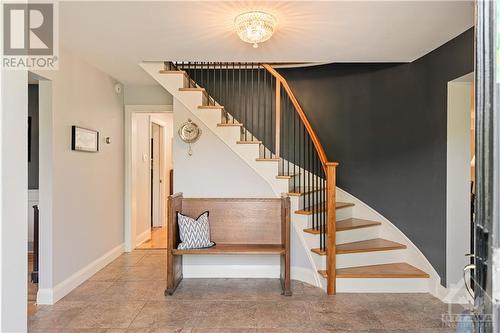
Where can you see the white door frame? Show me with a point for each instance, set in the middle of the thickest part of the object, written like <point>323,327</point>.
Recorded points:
<point>162,158</point>
<point>129,223</point>
<point>458,159</point>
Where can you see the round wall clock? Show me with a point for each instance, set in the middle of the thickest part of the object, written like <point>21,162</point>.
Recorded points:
<point>189,132</point>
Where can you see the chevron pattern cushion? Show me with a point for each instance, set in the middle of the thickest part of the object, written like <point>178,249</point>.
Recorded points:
<point>194,234</point>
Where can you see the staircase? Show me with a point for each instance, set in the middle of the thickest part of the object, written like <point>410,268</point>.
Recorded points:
<point>350,247</point>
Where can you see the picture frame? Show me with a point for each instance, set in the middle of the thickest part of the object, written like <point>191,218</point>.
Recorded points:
<point>84,139</point>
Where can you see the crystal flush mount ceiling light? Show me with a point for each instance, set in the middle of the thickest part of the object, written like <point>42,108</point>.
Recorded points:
<point>255,27</point>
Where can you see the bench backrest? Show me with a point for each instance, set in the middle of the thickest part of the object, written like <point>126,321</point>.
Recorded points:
<point>236,221</point>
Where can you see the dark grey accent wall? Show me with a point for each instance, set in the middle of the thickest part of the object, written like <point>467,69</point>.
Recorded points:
<point>386,126</point>
<point>33,113</point>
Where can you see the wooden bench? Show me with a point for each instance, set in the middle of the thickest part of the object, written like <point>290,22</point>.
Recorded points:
<point>237,226</point>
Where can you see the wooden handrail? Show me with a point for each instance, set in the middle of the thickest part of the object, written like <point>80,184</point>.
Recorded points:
<point>317,144</point>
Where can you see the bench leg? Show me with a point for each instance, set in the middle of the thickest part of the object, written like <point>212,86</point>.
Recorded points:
<point>285,275</point>
<point>170,291</point>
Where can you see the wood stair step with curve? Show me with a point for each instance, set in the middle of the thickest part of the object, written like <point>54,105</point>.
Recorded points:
<point>347,224</point>
<point>297,192</point>
<point>393,270</point>
<point>315,208</point>
<point>369,245</point>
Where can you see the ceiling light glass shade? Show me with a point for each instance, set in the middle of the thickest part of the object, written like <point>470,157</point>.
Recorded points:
<point>255,27</point>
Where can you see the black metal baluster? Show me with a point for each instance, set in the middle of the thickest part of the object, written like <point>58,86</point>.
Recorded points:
<point>233,109</point>
<point>258,104</point>
<point>294,144</point>
<point>289,127</point>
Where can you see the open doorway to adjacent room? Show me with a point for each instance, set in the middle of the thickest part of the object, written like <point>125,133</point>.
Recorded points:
<point>460,181</point>
<point>151,173</point>
<point>33,235</point>
<point>39,159</point>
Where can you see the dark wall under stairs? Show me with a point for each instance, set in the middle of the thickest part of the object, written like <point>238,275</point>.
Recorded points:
<point>386,126</point>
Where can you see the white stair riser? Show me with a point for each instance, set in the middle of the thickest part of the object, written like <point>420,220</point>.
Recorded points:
<point>344,213</point>
<point>346,236</point>
<point>362,259</point>
<point>192,99</point>
<point>356,235</point>
<point>382,285</point>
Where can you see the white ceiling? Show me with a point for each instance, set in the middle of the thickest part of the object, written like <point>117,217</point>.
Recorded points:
<point>116,35</point>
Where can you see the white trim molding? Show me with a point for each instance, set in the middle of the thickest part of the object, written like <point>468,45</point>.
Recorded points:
<point>143,237</point>
<point>50,296</point>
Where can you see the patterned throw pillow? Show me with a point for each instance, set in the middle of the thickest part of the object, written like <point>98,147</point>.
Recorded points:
<point>194,234</point>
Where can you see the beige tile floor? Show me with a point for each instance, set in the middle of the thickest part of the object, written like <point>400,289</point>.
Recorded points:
<point>127,296</point>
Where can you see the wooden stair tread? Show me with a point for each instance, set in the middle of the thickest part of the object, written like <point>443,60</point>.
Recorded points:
<point>192,89</point>
<point>354,223</point>
<point>164,71</point>
<point>297,192</point>
<point>369,245</point>
<point>229,125</point>
<point>248,142</point>
<point>393,270</point>
<point>309,210</point>
<point>268,159</point>
<point>235,249</point>
<point>287,176</point>
<point>347,224</point>
<point>210,107</point>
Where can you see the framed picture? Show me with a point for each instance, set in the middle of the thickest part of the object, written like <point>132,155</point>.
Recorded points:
<point>84,139</point>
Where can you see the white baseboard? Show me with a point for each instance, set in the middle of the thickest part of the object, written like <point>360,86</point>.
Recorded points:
<point>304,275</point>
<point>145,236</point>
<point>231,271</point>
<point>51,295</point>
<point>454,294</point>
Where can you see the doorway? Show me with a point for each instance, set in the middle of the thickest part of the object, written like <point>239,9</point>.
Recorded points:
<point>158,174</point>
<point>460,181</point>
<point>149,163</point>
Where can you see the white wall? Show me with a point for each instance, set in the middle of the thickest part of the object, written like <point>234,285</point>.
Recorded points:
<point>13,200</point>
<point>83,228</point>
<point>458,180</point>
<point>146,95</point>
<point>214,170</point>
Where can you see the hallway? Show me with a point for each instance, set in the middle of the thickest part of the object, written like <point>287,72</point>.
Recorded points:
<point>127,296</point>
<point>158,239</point>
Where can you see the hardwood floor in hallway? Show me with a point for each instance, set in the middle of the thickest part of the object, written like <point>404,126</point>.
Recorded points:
<point>127,296</point>
<point>32,288</point>
<point>158,239</point>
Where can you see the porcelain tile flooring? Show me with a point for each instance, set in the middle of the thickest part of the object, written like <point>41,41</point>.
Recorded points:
<point>127,296</point>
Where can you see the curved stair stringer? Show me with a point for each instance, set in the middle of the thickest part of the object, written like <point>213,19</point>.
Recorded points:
<point>412,253</point>
<point>210,118</point>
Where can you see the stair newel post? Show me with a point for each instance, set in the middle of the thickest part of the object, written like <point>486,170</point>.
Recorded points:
<point>278,117</point>
<point>331,228</point>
